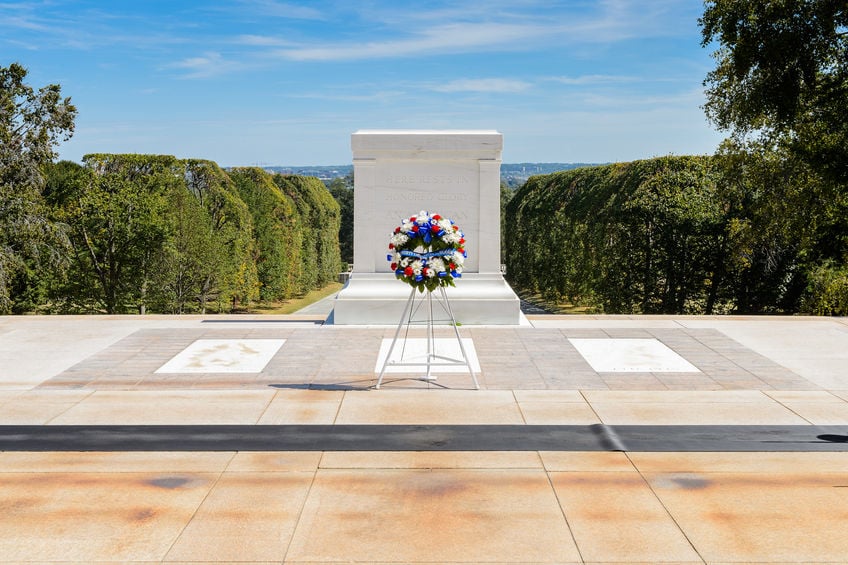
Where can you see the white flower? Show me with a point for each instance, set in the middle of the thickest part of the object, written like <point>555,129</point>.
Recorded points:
<point>399,239</point>
<point>437,264</point>
<point>431,273</point>
<point>458,258</point>
<point>406,226</point>
<point>422,218</point>
<point>416,272</point>
<point>404,262</point>
<point>417,265</point>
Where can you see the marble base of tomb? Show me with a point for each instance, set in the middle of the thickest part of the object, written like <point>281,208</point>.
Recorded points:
<point>379,299</point>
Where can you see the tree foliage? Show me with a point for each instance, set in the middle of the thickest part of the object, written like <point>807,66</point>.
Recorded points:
<point>782,76</point>
<point>341,189</point>
<point>630,237</point>
<point>160,234</point>
<point>320,220</point>
<point>780,87</point>
<point>32,123</point>
<point>277,232</point>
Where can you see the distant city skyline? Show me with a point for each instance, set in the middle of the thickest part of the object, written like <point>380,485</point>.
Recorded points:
<point>265,82</point>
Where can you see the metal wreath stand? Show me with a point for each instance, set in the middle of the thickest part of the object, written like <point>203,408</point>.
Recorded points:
<point>433,359</point>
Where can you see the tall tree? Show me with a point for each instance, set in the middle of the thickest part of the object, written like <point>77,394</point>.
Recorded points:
<point>277,231</point>
<point>117,211</point>
<point>342,190</point>
<point>782,75</point>
<point>229,264</point>
<point>780,87</point>
<point>32,124</point>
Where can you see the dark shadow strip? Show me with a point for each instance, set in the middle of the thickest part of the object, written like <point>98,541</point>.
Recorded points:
<point>423,438</point>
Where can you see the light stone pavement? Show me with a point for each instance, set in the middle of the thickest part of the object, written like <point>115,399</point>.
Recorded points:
<point>510,506</point>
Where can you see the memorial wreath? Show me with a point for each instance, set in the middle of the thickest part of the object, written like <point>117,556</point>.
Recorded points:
<point>427,251</point>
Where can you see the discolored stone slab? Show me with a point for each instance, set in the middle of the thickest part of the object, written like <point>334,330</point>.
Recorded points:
<point>90,517</point>
<point>430,407</point>
<point>431,460</point>
<point>432,516</point>
<point>302,407</point>
<point>759,518</point>
<point>169,407</point>
<point>246,516</point>
<point>616,518</point>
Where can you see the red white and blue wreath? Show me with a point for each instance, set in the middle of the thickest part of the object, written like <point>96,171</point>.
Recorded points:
<point>427,251</point>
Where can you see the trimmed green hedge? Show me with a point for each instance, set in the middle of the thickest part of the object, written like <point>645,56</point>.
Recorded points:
<point>153,233</point>
<point>640,237</point>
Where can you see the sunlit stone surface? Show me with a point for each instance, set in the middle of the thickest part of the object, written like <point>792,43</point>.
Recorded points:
<point>631,356</point>
<point>414,351</point>
<point>223,356</point>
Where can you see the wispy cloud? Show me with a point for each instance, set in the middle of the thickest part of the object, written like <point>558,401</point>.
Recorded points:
<point>690,98</point>
<point>263,41</point>
<point>592,80</point>
<point>449,38</point>
<point>208,65</point>
<point>484,85</point>
<point>283,10</point>
<point>479,27</point>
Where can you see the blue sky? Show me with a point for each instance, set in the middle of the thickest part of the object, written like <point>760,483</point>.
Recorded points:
<point>266,82</point>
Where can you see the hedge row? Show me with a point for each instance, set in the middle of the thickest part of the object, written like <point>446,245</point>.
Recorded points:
<point>156,233</point>
<point>643,237</point>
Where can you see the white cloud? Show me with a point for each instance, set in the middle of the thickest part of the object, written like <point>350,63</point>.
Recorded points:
<point>595,79</point>
<point>209,65</point>
<point>263,41</point>
<point>449,38</point>
<point>284,10</point>
<point>483,85</point>
<point>506,27</point>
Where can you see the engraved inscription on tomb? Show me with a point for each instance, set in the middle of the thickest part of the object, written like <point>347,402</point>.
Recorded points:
<point>426,179</point>
<point>426,197</point>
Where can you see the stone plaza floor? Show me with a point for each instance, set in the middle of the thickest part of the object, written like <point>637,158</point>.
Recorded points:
<point>592,439</point>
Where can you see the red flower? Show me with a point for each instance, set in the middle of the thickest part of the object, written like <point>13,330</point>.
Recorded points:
<point>436,217</point>
<point>461,240</point>
<point>412,218</point>
<point>425,271</point>
<point>452,266</point>
<point>394,266</point>
<point>414,228</point>
<point>408,271</point>
<point>397,229</point>
<point>456,228</point>
<point>391,246</point>
<point>434,228</point>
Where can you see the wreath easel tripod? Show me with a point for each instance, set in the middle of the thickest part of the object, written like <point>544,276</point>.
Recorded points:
<point>433,359</point>
<point>427,252</point>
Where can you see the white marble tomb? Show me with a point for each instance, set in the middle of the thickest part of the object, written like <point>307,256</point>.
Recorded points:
<point>454,173</point>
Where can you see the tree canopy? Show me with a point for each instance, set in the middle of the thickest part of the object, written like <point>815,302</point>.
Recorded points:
<point>32,123</point>
<point>782,75</point>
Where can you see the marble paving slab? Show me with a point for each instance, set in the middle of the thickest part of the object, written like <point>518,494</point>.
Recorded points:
<point>412,353</point>
<point>223,356</point>
<point>611,355</point>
